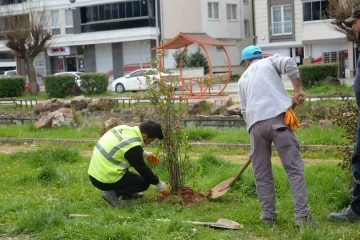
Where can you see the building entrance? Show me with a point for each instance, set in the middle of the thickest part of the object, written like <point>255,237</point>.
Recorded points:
<point>70,63</point>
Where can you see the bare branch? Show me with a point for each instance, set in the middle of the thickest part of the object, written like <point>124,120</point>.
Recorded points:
<point>339,11</point>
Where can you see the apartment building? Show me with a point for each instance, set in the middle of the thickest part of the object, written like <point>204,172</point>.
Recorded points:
<point>111,36</point>
<point>227,20</point>
<point>295,28</point>
<point>116,36</point>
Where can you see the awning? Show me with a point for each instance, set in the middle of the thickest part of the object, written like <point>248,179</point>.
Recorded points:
<point>186,39</point>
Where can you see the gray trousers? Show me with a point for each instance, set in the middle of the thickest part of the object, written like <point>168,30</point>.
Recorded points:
<point>262,134</point>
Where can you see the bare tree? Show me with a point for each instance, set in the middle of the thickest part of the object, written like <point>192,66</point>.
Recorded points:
<point>339,11</point>
<point>25,30</point>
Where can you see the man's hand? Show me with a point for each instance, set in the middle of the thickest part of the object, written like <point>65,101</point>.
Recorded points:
<point>299,97</point>
<point>161,186</point>
<point>151,158</point>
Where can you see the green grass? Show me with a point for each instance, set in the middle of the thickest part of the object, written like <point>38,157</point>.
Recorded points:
<point>325,88</point>
<point>36,201</point>
<point>313,135</point>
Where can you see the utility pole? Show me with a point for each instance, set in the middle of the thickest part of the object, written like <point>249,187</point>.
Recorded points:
<point>157,22</point>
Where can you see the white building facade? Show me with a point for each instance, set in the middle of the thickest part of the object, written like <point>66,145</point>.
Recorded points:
<point>116,36</point>
<point>295,28</point>
<point>227,20</point>
<point>111,36</point>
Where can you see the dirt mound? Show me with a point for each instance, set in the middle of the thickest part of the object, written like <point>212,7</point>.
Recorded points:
<point>185,197</point>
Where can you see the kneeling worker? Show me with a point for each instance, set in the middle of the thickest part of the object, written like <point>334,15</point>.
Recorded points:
<point>117,150</point>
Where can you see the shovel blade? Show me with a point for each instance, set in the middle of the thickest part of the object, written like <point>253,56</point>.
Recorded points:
<point>220,189</point>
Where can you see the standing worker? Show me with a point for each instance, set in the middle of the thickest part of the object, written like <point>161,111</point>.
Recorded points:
<point>352,212</point>
<point>264,102</point>
<point>117,150</point>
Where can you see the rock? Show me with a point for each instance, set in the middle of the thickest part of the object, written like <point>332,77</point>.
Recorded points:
<point>326,123</point>
<point>196,106</point>
<point>234,110</point>
<point>56,104</point>
<point>79,103</point>
<point>333,81</point>
<point>112,122</point>
<point>219,105</point>
<point>42,107</point>
<point>61,117</point>
<point>102,104</point>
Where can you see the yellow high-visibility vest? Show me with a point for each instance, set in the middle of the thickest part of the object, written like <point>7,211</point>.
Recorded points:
<point>108,163</point>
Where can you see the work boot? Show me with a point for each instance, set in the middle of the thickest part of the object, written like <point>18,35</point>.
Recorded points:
<point>268,221</point>
<point>307,221</point>
<point>345,215</point>
<point>132,196</point>
<point>111,198</point>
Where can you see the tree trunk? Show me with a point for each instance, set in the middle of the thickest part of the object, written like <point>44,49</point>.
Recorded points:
<point>32,76</point>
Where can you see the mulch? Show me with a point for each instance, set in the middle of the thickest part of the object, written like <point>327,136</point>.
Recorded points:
<point>185,197</point>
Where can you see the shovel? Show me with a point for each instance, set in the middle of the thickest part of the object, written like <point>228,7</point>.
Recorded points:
<point>222,223</point>
<point>224,186</point>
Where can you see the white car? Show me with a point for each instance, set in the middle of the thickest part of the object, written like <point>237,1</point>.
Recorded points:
<point>136,80</point>
<point>76,75</point>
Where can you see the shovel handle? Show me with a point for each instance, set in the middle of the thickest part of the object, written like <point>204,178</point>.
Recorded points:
<point>239,173</point>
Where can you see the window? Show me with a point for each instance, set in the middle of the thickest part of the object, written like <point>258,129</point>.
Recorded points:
<point>137,73</point>
<point>315,10</point>
<point>107,9</point>
<point>7,2</point>
<point>231,11</point>
<point>213,10</point>
<point>55,25</point>
<point>69,21</point>
<point>122,15</point>
<point>246,28</point>
<point>6,56</point>
<point>281,20</point>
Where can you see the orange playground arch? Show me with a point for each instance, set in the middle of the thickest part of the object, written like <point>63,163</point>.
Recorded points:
<point>183,40</point>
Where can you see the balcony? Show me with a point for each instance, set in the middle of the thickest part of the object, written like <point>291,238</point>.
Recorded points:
<point>282,28</point>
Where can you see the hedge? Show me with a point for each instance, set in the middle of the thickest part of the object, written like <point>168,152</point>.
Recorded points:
<point>59,86</point>
<point>313,73</point>
<point>92,83</point>
<point>12,86</point>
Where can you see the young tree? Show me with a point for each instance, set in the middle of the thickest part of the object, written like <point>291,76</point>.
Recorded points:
<point>25,30</point>
<point>176,56</point>
<point>198,59</point>
<point>339,11</point>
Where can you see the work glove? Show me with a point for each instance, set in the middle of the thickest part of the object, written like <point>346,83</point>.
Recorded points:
<point>161,186</point>
<point>151,158</point>
<point>291,120</point>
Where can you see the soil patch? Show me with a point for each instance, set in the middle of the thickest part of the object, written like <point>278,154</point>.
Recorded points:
<point>185,197</point>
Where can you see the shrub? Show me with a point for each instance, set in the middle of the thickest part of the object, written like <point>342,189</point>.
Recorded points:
<point>94,82</point>
<point>59,86</point>
<point>347,117</point>
<point>12,86</point>
<point>311,74</point>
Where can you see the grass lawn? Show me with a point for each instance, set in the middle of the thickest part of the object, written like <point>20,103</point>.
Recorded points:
<point>42,185</point>
<point>313,135</point>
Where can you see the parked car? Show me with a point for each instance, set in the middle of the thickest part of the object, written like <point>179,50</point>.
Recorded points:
<point>77,76</point>
<point>10,73</point>
<point>136,80</point>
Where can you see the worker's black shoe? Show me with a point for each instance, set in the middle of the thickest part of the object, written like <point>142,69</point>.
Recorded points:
<point>345,215</point>
<point>111,198</point>
<point>132,196</point>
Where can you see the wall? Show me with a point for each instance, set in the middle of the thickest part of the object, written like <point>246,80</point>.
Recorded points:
<point>104,59</point>
<point>222,28</point>
<point>261,21</point>
<point>174,20</point>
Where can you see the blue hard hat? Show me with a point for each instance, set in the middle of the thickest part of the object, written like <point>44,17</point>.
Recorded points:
<point>250,52</point>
